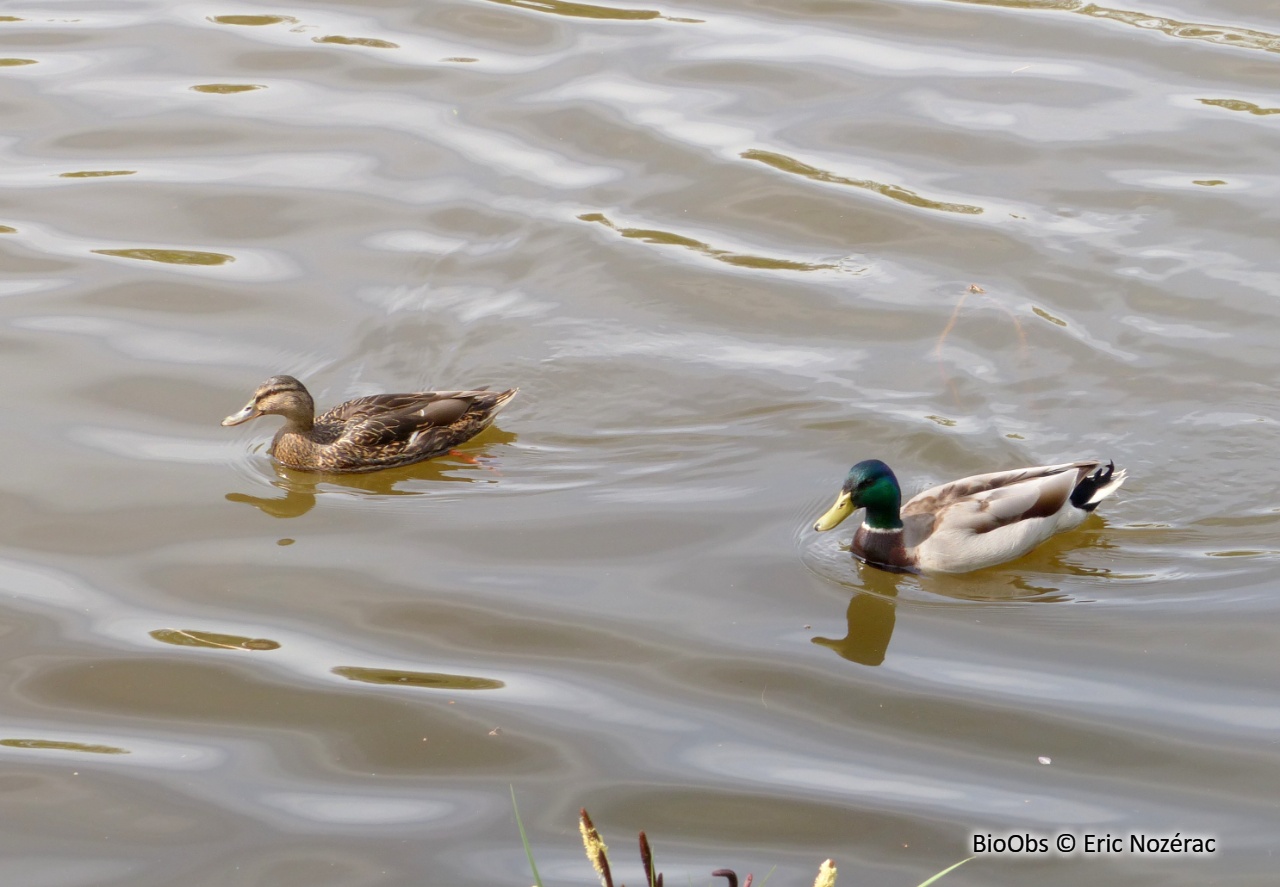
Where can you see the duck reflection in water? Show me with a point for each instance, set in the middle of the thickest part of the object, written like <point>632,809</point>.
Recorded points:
<point>302,487</point>
<point>872,612</point>
<point>870,617</point>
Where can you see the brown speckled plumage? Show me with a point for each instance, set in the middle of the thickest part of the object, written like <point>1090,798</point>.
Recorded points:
<point>369,433</point>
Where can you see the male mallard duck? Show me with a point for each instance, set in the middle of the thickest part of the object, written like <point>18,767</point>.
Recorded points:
<point>368,433</point>
<point>970,523</point>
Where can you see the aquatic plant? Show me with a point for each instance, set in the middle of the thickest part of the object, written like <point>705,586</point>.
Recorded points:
<point>598,855</point>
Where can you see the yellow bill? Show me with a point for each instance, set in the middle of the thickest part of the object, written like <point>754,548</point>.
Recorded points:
<point>836,513</point>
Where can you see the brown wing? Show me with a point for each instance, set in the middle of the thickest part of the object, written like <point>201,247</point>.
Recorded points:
<point>413,420</point>
<point>388,404</point>
<point>986,502</point>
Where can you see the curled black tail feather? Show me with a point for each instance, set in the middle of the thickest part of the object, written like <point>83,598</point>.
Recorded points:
<point>1084,490</point>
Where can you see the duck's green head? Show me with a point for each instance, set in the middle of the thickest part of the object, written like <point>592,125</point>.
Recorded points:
<point>870,485</point>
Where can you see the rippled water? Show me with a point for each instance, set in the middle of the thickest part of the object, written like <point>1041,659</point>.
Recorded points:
<point>725,250</point>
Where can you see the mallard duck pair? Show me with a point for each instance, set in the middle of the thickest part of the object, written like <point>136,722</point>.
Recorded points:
<point>369,433</point>
<point>965,525</point>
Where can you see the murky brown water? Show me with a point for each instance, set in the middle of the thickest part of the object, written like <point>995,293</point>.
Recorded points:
<point>725,250</point>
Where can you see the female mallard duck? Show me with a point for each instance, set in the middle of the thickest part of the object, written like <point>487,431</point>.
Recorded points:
<point>368,433</point>
<point>971,523</point>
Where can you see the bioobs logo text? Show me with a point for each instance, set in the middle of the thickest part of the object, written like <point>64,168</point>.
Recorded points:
<point>1025,843</point>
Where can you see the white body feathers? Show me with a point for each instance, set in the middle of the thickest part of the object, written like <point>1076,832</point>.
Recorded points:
<point>988,519</point>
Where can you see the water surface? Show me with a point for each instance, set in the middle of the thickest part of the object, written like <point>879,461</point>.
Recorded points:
<point>725,250</point>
